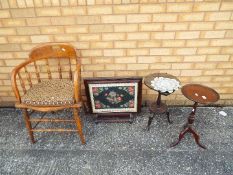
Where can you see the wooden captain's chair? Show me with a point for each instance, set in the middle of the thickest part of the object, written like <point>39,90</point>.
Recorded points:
<point>50,80</point>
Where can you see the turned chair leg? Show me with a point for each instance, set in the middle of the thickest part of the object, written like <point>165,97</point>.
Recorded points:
<point>28,125</point>
<point>79,125</point>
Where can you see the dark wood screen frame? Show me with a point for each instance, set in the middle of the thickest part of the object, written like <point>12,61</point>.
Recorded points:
<point>107,80</point>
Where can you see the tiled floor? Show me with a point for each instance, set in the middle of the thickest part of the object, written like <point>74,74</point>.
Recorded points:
<point>121,149</point>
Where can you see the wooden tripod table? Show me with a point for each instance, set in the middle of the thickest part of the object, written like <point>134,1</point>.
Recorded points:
<point>198,94</point>
<point>158,107</point>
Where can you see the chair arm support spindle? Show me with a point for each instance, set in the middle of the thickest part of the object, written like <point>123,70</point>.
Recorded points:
<point>14,84</point>
<point>77,91</point>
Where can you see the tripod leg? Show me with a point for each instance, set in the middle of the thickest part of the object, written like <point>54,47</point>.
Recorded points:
<point>181,136</point>
<point>149,122</point>
<point>197,138</point>
<point>168,119</point>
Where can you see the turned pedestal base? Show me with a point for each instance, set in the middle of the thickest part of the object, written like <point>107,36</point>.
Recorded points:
<point>158,108</point>
<point>188,128</point>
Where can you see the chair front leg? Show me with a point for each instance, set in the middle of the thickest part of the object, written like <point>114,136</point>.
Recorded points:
<point>79,125</point>
<point>28,125</point>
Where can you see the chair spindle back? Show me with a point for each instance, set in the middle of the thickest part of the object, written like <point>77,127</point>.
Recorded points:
<point>47,62</point>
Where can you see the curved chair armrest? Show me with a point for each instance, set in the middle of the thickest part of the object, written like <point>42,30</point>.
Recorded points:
<point>13,79</point>
<point>77,90</point>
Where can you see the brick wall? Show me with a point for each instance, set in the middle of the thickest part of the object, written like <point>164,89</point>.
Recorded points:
<point>191,39</point>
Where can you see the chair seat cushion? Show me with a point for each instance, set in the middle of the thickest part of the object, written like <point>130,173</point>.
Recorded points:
<point>54,92</point>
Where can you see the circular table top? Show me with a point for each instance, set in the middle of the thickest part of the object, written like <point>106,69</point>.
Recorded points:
<point>150,77</point>
<point>200,93</point>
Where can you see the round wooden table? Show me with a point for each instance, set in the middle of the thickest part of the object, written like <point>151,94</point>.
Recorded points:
<point>158,107</point>
<point>198,94</point>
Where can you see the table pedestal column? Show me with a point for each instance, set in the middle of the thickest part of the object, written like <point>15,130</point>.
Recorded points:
<point>188,128</point>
